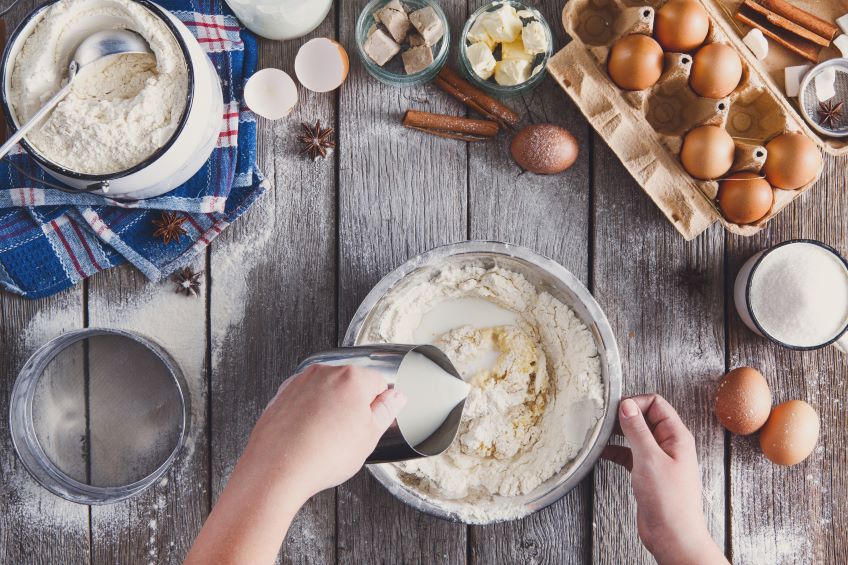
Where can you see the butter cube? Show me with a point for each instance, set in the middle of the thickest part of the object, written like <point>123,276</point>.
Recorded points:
<point>503,25</point>
<point>792,79</point>
<point>841,43</point>
<point>826,84</point>
<point>428,24</point>
<point>842,22</point>
<point>534,37</point>
<point>417,59</point>
<point>477,34</point>
<point>757,43</point>
<point>380,47</point>
<point>515,50</point>
<point>512,72</point>
<point>481,59</point>
<point>394,17</point>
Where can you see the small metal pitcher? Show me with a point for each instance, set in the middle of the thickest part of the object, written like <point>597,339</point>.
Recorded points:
<point>386,359</point>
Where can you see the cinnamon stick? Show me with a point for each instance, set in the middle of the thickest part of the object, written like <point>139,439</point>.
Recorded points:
<point>451,82</point>
<point>787,24</point>
<point>453,127</point>
<point>803,47</point>
<point>805,19</point>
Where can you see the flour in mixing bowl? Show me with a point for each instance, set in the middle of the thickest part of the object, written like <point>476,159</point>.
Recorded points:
<point>121,110</point>
<point>536,388</point>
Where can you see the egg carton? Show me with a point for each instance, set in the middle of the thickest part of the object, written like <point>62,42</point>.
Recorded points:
<point>646,128</point>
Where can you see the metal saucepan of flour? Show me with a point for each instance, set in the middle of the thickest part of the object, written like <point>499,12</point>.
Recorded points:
<point>166,127</point>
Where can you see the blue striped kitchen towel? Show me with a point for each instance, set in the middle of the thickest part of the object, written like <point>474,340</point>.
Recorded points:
<point>51,240</point>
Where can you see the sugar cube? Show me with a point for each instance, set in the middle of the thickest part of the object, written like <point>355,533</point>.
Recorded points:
<point>792,78</point>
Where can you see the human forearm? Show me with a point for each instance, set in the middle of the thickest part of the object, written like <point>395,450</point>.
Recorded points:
<point>250,519</point>
<point>696,549</point>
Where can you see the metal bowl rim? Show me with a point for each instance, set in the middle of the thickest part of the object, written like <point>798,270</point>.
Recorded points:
<point>588,457</point>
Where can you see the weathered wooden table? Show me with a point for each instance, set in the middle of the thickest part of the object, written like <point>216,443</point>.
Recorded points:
<point>284,281</point>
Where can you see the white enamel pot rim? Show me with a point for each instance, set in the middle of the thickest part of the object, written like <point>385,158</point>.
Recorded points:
<point>153,167</point>
<point>546,274</point>
<point>744,283</point>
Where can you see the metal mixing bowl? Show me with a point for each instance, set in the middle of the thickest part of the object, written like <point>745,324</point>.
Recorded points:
<point>546,275</point>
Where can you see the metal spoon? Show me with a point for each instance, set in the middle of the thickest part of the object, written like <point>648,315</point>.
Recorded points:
<point>93,48</point>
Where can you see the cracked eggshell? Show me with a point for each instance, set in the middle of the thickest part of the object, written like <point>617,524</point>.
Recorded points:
<point>270,93</point>
<point>321,64</point>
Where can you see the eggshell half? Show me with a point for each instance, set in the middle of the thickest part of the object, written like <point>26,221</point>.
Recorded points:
<point>270,93</point>
<point>321,64</point>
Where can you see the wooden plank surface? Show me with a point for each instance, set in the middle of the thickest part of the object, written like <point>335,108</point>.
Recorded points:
<point>273,293</point>
<point>795,514</point>
<point>160,524</point>
<point>285,280</point>
<point>664,299</point>
<point>400,193</point>
<point>549,214</point>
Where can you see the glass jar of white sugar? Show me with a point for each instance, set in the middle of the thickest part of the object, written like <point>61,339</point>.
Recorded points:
<point>796,295</point>
<point>281,19</point>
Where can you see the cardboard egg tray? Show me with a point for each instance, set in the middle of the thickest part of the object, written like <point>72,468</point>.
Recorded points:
<point>646,128</point>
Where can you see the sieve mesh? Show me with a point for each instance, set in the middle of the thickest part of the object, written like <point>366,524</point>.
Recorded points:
<point>811,103</point>
<point>106,411</point>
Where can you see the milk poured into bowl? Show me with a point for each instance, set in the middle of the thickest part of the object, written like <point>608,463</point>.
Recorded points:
<point>432,395</point>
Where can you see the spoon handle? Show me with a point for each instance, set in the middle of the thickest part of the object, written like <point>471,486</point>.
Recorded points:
<point>33,121</point>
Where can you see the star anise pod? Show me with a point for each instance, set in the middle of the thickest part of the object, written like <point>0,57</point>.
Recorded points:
<point>315,141</point>
<point>829,113</point>
<point>188,282</point>
<point>170,227</point>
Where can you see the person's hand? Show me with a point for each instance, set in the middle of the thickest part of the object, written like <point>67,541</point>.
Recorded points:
<point>321,425</point>
<point>314,434</point>
<point>666,482</point>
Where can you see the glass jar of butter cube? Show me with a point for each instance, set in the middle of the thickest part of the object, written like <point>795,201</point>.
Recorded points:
<point>403,42</point>
<point>504,48</point>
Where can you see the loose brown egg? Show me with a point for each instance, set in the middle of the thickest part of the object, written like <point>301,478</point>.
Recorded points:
<point>635,62</point>
<point>793,160</point>
<point>544,149</point>
<point>791,432</point>
<point>743,401</point>
<point>681,25</point>
<point>716,71</point>
<point>745,197</point>
<point>707,152</point>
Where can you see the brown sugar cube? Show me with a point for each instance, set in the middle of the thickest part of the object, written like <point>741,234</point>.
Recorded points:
<point>417,59</point>
<point>380,47</point>
<point>415,39</point>
<point>428,24</point>
<point>395,19</point>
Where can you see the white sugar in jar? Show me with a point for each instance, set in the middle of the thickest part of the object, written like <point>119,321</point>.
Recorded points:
<point>795,294</point>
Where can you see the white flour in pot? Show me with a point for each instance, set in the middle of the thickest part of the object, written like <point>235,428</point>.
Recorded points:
<point>119,112</point>
<point>799,294</point>
<point>537,392</point>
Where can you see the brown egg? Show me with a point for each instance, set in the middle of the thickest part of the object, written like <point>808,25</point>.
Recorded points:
<point>745,197</point>
<point>681,25</point>
<point>707,152</point>
<point>635,62</point>
<point>793,160</point>
<point>743,401</point>
<point>716,71</point>
<point>791,432</point>
<point>544,149</point>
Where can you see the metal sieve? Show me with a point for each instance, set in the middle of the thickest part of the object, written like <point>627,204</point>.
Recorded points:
<point>809,103</point>
<point>99,415</point>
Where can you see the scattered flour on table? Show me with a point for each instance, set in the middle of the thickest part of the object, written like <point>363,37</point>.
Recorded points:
<point>528,414</point>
